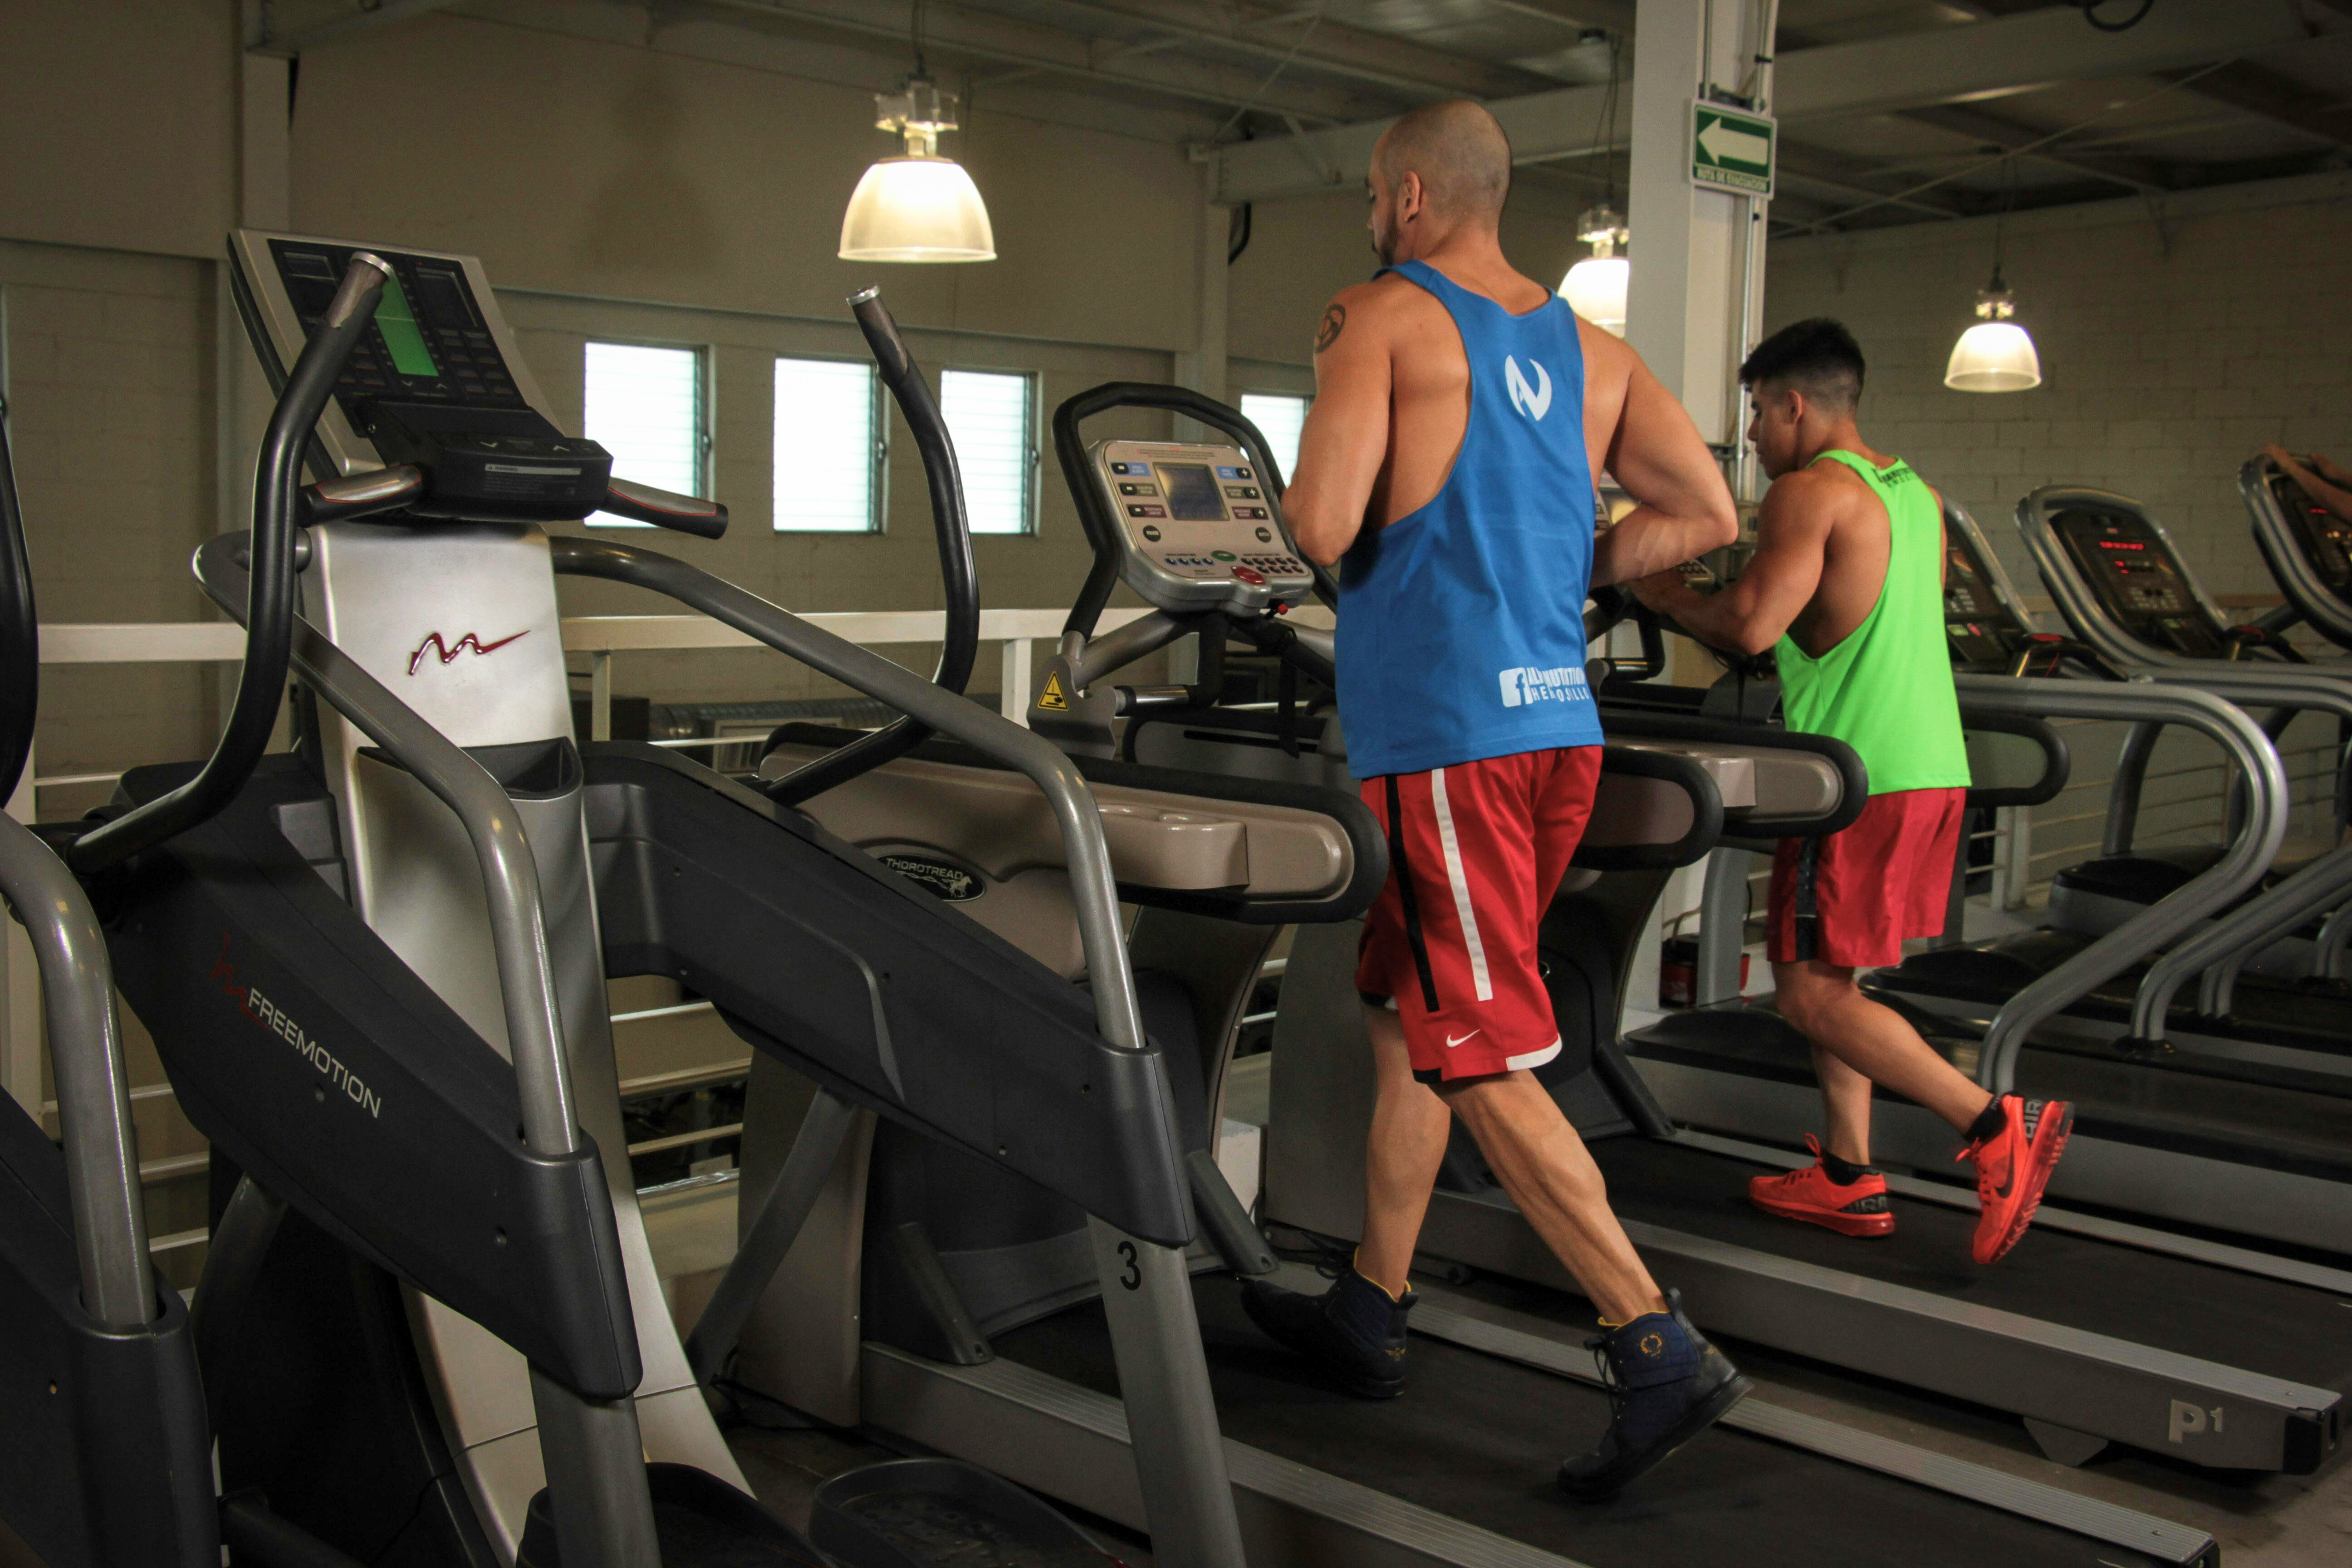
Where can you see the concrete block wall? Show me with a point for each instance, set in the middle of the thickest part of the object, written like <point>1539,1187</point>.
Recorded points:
<point>2175,341</point>
<point>109,380</point>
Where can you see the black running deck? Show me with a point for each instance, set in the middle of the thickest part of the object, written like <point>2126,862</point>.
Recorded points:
<point>2262,1325</point>
<point>1478,1439</point>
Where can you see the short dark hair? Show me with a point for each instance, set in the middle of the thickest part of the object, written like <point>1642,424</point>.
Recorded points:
<point>1817,356</point>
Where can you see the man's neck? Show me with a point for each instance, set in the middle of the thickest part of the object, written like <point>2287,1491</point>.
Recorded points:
<point>1474,258</point>
<point>1842,437</point>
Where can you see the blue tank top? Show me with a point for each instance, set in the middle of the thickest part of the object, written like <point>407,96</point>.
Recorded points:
<point>1462,624</point>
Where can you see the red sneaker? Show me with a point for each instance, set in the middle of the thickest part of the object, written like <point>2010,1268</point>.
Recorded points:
<point>2012,1167</point>
<point>1808,1194</point>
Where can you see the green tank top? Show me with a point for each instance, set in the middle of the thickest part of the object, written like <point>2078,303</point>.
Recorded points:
<point>1886,690</point>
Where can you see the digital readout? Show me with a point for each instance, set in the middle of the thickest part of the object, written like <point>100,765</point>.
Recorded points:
<point>1191,491</point>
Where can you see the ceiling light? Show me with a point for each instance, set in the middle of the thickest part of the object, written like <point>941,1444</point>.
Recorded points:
<point>1595,286</point>
<point>922,206</point>
<point>1996,354</point>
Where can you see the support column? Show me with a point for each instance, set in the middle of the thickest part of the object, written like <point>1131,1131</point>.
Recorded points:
<point>1697,255</point>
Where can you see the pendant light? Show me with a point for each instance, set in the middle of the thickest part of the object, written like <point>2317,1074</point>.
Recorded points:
<point>921,206</point>
<point>1595,286</point>
<point>1996,354</point>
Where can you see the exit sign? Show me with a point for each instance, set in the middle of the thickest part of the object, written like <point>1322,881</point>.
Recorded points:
<point>1731,150</point>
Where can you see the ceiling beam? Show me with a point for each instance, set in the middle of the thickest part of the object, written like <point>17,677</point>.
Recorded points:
<point>983,35</point>
<point>1991,130</point>
<point>1949,65</point>
<point>1413,69</point>
<point>2280,98</point>
<point>1614,15</point>
<point>337,21</point>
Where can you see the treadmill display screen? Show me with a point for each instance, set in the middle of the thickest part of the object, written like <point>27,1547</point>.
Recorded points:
<point>1193,494</point>
<point>1965,595</point>
<point>2126,563</point>
<point>402,337</point>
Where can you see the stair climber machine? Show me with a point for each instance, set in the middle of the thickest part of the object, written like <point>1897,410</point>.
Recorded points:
<point>2308,548</point>
<point>1216,862</point>
<point>429,1325</point>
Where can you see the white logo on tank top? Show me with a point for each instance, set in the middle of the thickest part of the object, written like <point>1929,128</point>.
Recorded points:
<point>1535,402</point>
<point>1528,684</point>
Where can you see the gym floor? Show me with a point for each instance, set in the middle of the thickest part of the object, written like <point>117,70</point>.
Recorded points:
<point>2266,1522</point>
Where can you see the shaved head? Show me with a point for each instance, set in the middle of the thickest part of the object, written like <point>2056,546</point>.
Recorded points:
<point>1459,152</point>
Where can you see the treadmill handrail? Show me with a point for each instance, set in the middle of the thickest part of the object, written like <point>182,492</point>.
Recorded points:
<point>2161,922</point>
<point>1854,779</point>
<point>109,1218</point>
<point>2275,536</point>
<point>1101,934</point>
<point>509,871</point>
<point>2236,938</point>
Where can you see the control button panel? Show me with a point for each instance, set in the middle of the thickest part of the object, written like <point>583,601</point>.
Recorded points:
<point>428,343</point>
<point>2326,539</point>
<point>2131,568</point>
<point>1200,525</point>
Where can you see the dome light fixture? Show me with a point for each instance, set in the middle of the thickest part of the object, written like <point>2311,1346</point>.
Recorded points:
<point>920,207</point>
<point>1996,354</point>
<point>1595,286</point>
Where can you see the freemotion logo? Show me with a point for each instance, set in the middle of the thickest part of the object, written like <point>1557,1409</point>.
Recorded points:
<point>1528,684</point>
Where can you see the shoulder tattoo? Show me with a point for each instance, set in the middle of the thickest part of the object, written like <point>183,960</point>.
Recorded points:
<point>1335,321</point>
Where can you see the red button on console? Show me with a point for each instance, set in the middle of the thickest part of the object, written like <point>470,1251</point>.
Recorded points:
<point>1249,575</point>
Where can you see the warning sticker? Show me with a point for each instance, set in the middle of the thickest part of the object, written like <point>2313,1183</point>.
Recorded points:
<point>1053,697</point>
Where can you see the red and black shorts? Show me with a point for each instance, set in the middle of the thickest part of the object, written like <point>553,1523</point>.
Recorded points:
<point>1476,852</point>
<point>1850,898</point>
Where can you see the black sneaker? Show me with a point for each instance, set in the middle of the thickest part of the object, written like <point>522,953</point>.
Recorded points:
<point>1354,1332</point>
<point>1666,1385</point>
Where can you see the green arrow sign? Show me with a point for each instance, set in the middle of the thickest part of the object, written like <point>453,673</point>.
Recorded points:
<point>1731,150</point>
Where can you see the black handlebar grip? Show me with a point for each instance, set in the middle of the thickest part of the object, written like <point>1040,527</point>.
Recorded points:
<point>665,508</point>
<point>881,331</point>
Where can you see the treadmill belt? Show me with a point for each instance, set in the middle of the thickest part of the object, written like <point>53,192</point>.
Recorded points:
<point>2192,1309</point>
<point>1478,1439</point>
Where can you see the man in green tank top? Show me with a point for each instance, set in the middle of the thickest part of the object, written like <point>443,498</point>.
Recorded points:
<point>1845,590</point>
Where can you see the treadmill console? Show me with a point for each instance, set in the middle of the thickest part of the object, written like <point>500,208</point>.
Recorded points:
<point>2131,569</point>
<point>1199,526</point>
<point>435,382</point>
<point>1974,617</point>
<point>2324,539</point>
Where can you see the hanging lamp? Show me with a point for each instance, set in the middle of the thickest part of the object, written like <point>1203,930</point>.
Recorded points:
<point>1996,354</point>
<point>1595,286</point>
<point>920,207</point>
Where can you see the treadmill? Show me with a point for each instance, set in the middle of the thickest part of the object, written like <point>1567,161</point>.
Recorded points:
<point>2277,1003</point>
<point>1023,1388</point>
<point>2308,548</point>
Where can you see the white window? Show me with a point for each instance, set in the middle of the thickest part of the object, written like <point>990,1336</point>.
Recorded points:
<point>1279,416</point>
<point>988,416</point>
<point>644,405</point>
<point>828,446</point>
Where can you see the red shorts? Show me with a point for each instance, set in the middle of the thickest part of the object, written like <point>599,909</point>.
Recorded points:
<point>1887,876</point>
<point>1476,852</point>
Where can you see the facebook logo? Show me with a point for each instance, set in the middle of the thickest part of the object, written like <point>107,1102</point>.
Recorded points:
<point>1528,684</point>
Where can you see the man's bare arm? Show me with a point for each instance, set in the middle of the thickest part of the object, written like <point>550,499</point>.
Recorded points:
<point>1346,433</point>
<point>1682,509</point>
<point>1792,536</point>
<point>2336,499</point>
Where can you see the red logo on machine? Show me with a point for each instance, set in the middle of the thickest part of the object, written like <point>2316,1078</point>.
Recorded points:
<point>448,651</point>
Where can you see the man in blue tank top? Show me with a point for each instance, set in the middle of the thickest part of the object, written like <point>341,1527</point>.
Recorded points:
<point>1462,412</point>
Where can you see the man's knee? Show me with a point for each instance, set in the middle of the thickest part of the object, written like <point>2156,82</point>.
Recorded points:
<point>1809,996</point>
